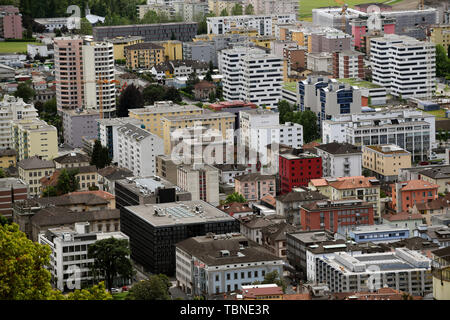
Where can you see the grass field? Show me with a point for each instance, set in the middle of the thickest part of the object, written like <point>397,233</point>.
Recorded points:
<point>120,296</point>
<point>439,114</point>
<point>14,47</point>
<point>306,6</point>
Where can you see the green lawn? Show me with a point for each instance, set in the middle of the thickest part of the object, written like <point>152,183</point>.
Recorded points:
<point>120,296</point>
<point>306,6</point>
<point>359,83</point>
<point>437,113</point>
<point>291,86</point>
<point>14,47</point>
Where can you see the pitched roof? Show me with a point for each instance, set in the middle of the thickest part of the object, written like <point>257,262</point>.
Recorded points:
<point>53,179</point>
<point>258,292</point>
<point>402,216</point>
<point>269,199</point>
<point>346,182</point>
<point>301,196</point>
<point>79,197</point>
<point>235,207</point>
<point>277,232</point>
<point>72,157</point>
<point>437,173</point>
<point>255,222</point>
<point>143,45</point>
<point>115,173</point>
<point>204,85</point>
<point>35,163</point>
<point>7,152</point>
<point>53,216</point>
<point>435,204</point>
<point>418,185</point>
<point>253,177</point>
<point>443,253</point>
<point>339,148</point>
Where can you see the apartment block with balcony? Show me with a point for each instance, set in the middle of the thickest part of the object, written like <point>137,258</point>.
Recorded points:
<point>340,159</point>
<point>10,22</point>
<point>143,56</point>
<point>254,186</point>
<point>406,194</point>
<point>119,44</point>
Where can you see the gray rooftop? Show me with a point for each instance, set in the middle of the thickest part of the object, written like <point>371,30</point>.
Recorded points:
<point>7,183</point>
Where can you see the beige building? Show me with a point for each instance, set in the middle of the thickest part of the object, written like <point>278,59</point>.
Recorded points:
<point>223,122</point>
<point>385,161</point>
<point>173,49</point>
<point>440,34</point>
<point>143,55</point>
<point>31,170</point>
<point>216,6</point>
<point>119,44</point>
<point>150,116</point>
<point>34,138</point>
<point>166,168</point>
<point>8,158</point>
<point>346,188</point>
<point>439,176</point>
<point>202,181</point>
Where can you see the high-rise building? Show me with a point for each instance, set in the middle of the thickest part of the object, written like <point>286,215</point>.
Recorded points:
<point>202,181</point>
<point>10,22</point>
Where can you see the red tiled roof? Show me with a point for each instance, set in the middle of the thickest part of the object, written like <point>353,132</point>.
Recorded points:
<point>269,199</point>
<point>257,292</point>
<point>418,185</point>
<point>402,216</point>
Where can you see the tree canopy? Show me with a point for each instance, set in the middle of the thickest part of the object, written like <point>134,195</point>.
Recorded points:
<point>130,98</point>
<point>307,119</point>
<point>67,181</point>
<point>442,62</point>
<point>100,156</point>
<point>25,92</point>
<point>274,277</point>
<point>249,10</point>
<point>237,10</point>
<point>235,197</point>
<point>156,287</point>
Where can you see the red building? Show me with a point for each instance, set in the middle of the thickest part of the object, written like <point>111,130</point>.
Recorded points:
<point>297,168</point>
<point>11,190</point>
<point>335,215</point>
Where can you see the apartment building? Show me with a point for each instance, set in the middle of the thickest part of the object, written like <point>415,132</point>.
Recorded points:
<point>34,137</point>
<point>11,190</point>
<point>340,159</point>
<point>31,170</point>
<point>436,175</point>
<point>8,158</point>
<point>346,188</point>
<point>360,29</point>
<point>412,130</point>
<point>265,24</point>
<point>99,78</point>
<point>216,264</point>
<point>348,64</point>
<point>409,193</point>
<point>404,66</point>
<point>10,23</point>
<point>12,108</point>
<point>71,160</point>
<point>173,49</point>
<point>277,7</point>
<point>179,68</point>
<point>329,40</point>
<point>254,186</point>
<point>190,10</point>
<point>69,262</point>
<point>79,124</point>
<point>119,44</point>
<point>137,149</point>
<point>151,116</point>
<point>143,55</point>
<point>404,269</point>
<point>217,6</point>
<point>440,34</point>
<point>385,161</point>
<point>202,181</point>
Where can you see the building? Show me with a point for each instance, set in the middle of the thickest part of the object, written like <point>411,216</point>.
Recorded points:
<point>51,24</point>
<point>328,98</point>
<point>217,6</point>
<point>356,272</point>
<point>262,292</point>
<point>10,23</point>
<point>385,161</point>
<point>217,263</point>
<point>413,61</point>
<point>274,238</point>
<point>137,149</point>
<point>98,78</point>
<point>13,108</point>
<point>86,177</point>
<point>72,160</point>
<point>34,137</point>
<point>79,124</point>
<point>361,29</point>
<point>348,64</point>
<point>190,10</point>
<point>251,75</point>
<point>441,274</point>
<point>329,40</point>
<point>386,126</point>
<point>67,269</point>
<point>320,62</point>
<point>183,31</point>
<point>265,24</point>
<point>236,209</point>
<point>31,170</point>
<point>336,215</point>
<point>371,94</point>
<point>297,168</point>
<point>109,175</point>
<point>340,159</point>
<point>440,34</point>
<point>11,190</point>
<point>119,44</point>
<point>173,49</point>
<point>151,116</point>
<point>200,51</point>
<point>155,229</point>
<point>8,158</point>
<point>406,220</point>
<point>439,176</point>
<point>204,90</point>
<point>409,193</point>
<point>143,56</point>
<point>202,181</point>
<point>264,7</point>
<point>166,168</point>
<point>254,186</point>
<point>378,233</point>
<point>434,212</point>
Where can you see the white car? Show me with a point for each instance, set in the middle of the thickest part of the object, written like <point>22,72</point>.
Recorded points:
<point>115,290</point>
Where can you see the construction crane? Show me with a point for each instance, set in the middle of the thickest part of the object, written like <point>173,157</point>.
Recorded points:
<point>342,13</point>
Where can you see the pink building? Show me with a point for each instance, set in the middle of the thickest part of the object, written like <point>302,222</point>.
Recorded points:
<point>254,186</point>
<point>360,28</point>
<point>10,23</point>
<point>69,73</point>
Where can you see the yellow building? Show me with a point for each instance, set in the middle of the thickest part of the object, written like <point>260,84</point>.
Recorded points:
<point>151,116</point>
<point>263,41</point>
<point>440,34</point>
<point>223,122</point>
<point>173,49</point>
<point>7,158</point>
<point>143,55</point>
<point>119,44</point>
<point>34,137</point>
<point>31,170</point>
<point>385,161</point>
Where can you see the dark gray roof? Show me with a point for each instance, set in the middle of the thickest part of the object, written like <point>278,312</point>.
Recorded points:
<point>253,177</point>
<point>54,216</point>
<point>443,253</point>
<point>437,173</point>
<point>74,199</point>
<point>208,250</point>
<point>277,232</point>
<point>339,148</point>
<point>301,196</point>
<point>72,157</point>
<point>230,167</point>
<point>133,129</point>
<point>35,163</point>
<point>114,173</point>
<point>8,152</point>
<point>143,45</point>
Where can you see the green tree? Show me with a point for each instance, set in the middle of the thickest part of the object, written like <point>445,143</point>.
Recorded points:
<point>152,93</point>
<point>111,259</point>
<point>212,97</point>
<point>57,32</point>
<point>172,94</point>
<point>85,27</point>
<point>237,10</point>
<point>155,288</point>
<point>249,10</point>
<point>223,13</point>
<point>274,277</point>
<point>97,292</point>
<point>235,197</point>
<point>442,62</point>
<point>284,108</point>
<point>307,119</point>
<point>150,17</point>
<point>67,181</point>
<point>25,92</point>
<point>100,156</point>
<point>3,220</point>
<point>130,98</point>
<point>49,191</point>
<point>2,173</point>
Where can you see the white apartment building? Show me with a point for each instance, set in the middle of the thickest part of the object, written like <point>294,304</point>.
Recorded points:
<point>201,180</point>
<point>277,7</point>
<point>340,159</point>
<point>99,81</point>
<point>404,65</point>
<point>320,62</point>
<point>410,129</point>
<point>403,269</point>
<point>69,263</point>
<point>250,120</point>
<point>12,108</point>
<point>290,134</point>
<point>190,10</point>
<point>249,74</point>
<point>137,150</point>
<point>265,24</point>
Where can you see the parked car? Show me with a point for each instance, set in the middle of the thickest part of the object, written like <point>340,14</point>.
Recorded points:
<point>124,288</point>
<point>115,290</point>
